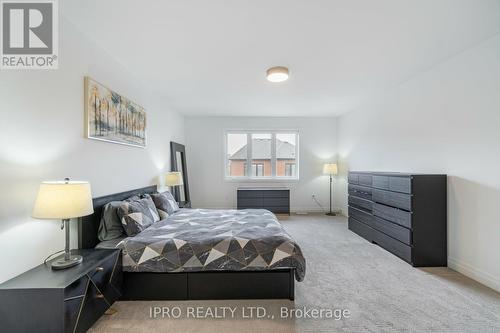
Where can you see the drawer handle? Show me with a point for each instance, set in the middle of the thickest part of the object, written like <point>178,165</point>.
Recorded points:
<point>99,269</point>
<point>99,295</point>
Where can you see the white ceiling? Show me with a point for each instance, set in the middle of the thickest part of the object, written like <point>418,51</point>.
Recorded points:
<point>209,57</point>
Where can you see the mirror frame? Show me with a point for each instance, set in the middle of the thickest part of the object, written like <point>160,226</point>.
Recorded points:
<point>174,148</point>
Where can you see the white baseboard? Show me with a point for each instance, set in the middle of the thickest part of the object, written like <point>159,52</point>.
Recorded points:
<point>474,273</point>
<point>292,209</point>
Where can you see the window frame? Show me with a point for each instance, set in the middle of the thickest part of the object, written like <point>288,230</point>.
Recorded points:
<point>248,163</point>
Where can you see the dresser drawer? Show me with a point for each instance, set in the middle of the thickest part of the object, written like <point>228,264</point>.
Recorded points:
<point>360,215</point>
<point>77,288</point>
<point>93,307</point>
<point>250,202</point>
<point>394,230</point>
<point>107,277</point>
<point>276,194</point>
<point>70,312</point>
<point>381,182</point>
<point>392,214</point>
<point>249,194</point>
<point>360,203</point>
<point>360,191</point>
<point>263,193</point>
<point>392,245</point>
<point>175,289</point>
<point>361,229</point>
<point>353,178</point>
<point>359,179</point>
<point>275,202</point>
<point>393,183</point>
<point>365,180</point>
<point>394,199</point>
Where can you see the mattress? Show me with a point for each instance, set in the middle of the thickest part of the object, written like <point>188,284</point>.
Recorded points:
<point>194,240</point>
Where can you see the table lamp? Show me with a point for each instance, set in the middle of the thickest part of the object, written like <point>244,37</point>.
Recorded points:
<point>330,169</point>
<point>64,200</point>
<point>174,178</point>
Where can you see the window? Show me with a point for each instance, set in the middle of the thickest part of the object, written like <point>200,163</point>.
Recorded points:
<point>286,152</point>
<point>236,143</point>
<point>261,154</point>
<point>289,169</point>
<point>257,169</point>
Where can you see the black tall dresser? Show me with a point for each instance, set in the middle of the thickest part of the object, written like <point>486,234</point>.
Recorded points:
<point>403,213</point>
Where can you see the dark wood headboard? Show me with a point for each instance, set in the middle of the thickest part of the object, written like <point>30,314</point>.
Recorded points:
<point>88,226</point>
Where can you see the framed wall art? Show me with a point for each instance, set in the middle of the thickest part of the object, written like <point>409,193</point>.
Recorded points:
<point>112,117</point>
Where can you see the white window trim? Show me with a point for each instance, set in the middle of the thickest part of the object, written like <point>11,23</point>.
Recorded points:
<point>273,177</point>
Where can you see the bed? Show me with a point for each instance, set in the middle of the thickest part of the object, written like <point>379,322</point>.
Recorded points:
<point>203,254</point>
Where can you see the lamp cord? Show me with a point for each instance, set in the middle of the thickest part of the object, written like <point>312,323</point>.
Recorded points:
<point>317,202</point>
<point>53,254</point>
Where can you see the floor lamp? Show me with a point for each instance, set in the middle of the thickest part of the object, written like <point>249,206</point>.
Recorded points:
<point>330,169</point>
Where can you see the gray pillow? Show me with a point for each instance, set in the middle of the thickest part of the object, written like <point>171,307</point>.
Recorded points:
<point>165,203</point>
<point>110,226</point>
<point>135,216</point>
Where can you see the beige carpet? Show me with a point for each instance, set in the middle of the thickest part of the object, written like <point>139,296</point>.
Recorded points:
<point>382,293</point>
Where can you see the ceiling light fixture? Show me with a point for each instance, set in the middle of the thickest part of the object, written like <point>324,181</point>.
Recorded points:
<point>277,74</point>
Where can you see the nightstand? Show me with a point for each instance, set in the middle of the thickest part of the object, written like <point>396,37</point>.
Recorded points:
<point>184,204</point>
<point>70,300</point>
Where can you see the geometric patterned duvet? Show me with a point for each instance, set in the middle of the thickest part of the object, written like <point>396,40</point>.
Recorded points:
<point>210,240</point>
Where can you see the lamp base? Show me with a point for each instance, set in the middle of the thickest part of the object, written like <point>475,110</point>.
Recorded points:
<point>63,264</point>
<point>331,214</point>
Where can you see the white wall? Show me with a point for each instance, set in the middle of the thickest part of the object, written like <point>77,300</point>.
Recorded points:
<point>41,138</point>
<point>205,154</point>
<point>446,120</point>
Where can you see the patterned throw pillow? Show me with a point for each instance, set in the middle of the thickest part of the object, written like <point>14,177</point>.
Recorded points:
<point>137,215</point>
<point>111,226</point>
<point>165,203</point>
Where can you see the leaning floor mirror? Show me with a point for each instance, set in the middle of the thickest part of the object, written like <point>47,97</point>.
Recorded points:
<point>178,163</point>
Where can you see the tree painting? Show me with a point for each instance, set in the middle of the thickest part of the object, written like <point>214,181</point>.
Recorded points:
<point>112,117</point>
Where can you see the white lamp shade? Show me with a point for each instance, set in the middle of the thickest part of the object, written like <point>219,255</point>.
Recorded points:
<point>330,168</point>
<point>63,200</point>
<point>174,178</point>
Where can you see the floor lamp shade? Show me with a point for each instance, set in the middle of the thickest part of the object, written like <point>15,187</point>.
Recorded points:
<point>330,169</point>
<point>63,200</point>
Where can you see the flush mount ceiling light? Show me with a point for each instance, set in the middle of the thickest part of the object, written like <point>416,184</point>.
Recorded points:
<point>277,74</point>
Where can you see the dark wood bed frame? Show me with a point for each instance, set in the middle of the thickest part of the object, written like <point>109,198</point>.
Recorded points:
<point>270,284</point>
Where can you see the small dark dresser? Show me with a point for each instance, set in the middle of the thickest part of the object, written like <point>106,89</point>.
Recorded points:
<point>275,199</point>
<point>71,300</point>
<point>406,214</point>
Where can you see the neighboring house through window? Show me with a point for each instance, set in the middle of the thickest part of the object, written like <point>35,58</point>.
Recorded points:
<point>289,169</point>
<point>261,154</point>
<point>257,169</point>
